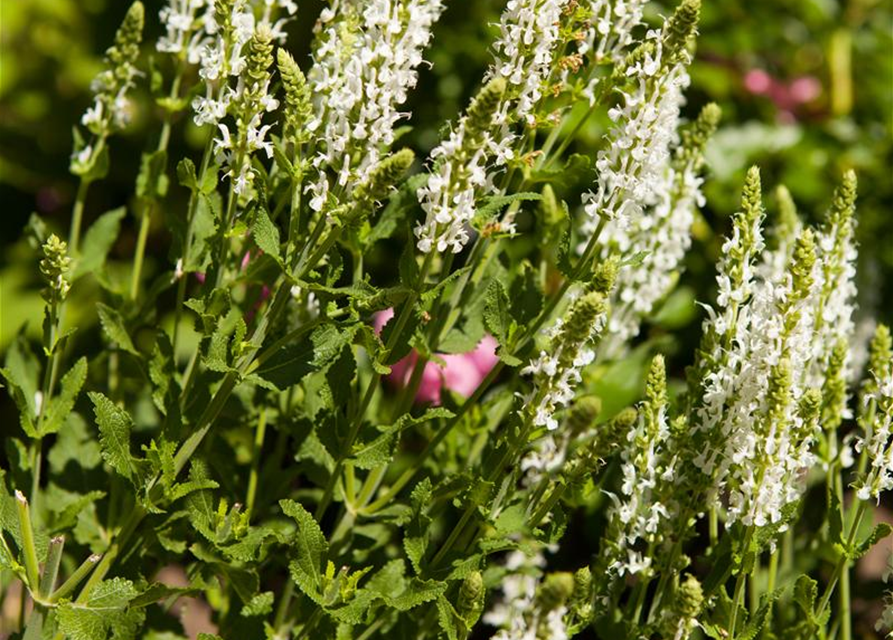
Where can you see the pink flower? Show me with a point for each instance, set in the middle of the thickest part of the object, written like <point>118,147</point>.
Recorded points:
<point>787,96</point>
<point>461,373</point>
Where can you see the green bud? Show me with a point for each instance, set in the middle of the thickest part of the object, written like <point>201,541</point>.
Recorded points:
<point>581,600</point>
<point>260,54</point>
<point>385,175</point>
<point>616,430</point>
<point>802,263</point>
<point>479,117</point>
<point>605,274</point>
<point>582,415</point>
<point>810,408</point>
<point>636,55</point>
<point>843,203</point>
<point>555,590</point>
<point>582,318</point>
<point>551,210</point>
<point>55,267</point>
<point>689,598</point>
<point>751,197</point>
<point>696,135</point>
<point>297,105</point>
<point>678,30</point>
<point>834,387</point>
<point>471,598</point>
<point>880,352</point>
<point>779,393</point>
<point>655,394</point>
<point>788,220</point>
<point>129,34</point>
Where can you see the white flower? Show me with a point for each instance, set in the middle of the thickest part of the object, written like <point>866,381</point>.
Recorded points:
<point>365,62</point>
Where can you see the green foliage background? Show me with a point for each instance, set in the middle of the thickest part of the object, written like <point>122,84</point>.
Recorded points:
<point>51,49</point>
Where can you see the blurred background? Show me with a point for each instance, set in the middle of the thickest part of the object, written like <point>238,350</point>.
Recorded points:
<point>806,88</point>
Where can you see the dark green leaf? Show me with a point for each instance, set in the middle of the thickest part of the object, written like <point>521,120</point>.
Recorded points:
<point>113,325</point>
<point>115,425</point>
<point>98,241</point>
<point>61,404</point>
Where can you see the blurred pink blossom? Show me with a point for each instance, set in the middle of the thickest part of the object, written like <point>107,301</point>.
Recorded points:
<point>458,372</point>
<point>787,95</point>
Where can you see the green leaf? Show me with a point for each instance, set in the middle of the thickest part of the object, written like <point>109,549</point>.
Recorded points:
<point>415,539</point>
<point>806,590</point>
<point>74,444</point>
<point>417,592</point>
<point>200,504</point>
<point>113,326</point>
<point>758,619</point>
<point>61,405</point>
<point>576,169</point>
<point>380,450</point>
<point>106,612</point>
<point>98,241</point>
<point>288,365</point>
<point>151,182</point>
<point>835,520</point>
<point>259,605</point>
<point>498,320</point>
<point>399,205</point>
<point>265,233</point>
<point>447,616</point>
<point>880,531</point>
<point>186,174</point>
<point>21,373</point>
<point>494,204</point>
<point>115,425</point>
<point>312,550</point>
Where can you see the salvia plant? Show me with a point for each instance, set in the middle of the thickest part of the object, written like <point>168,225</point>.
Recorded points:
<point>325,450</point>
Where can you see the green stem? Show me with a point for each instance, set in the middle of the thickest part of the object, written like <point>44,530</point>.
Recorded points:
<point>29,551</point>
<point>255,461</point>
<point>739,586</point>
<point>51,566</point>
<point>843,561</point>
<point>68,587</point>
<point>371,388</point>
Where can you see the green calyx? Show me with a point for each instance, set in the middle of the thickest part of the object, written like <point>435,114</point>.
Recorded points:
<point>297,105</point>
<point>385,175</point>
<point>479,117</point>
<point>679,29</point>
<point>55,266</point>
<point>583,414</point>
<point>260,55</point>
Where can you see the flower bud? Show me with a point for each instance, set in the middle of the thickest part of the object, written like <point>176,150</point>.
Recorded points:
<point>582,318</point>
<point>788,220</point>
<point>471,598</point>
<point>479,117</point>
<point>689,598</point>
<point>385,175</point>
<point>678,30</point>
<point>297,105</point>
<point>55,266</point>
<point>605,274</point>
<point>260,54</point>
<point>582,415</point>
<point>834,387</point>
<point>555,590</point>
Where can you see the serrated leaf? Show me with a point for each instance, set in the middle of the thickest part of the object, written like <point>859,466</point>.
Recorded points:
<point>446,617</point>
<point>417,592</point>
<point>115,425</point>
<point>494,204</point>
<point>200,503</point>
<point>288,365</point>
<point>758,618</point>
<point>61,404</point>
<point>496,311</point>
<point>105,613</point>
<point>415,538</point>
<point>259,605</point>
<point>113,326</point>
<point>21,374</point>
<point>266,234</point>
<point>186,174</point>
<point>312,549</point>
<point>98,241</point>
<point>151,182</point>
<point>880,531</point>
<point>74,444</point>
<point>380,450</point>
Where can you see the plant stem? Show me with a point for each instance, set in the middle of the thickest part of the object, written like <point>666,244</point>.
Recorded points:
<point>843,561</point>
<point>51,566</point>
<point>75,578</point>
<point>739,585</point>
<point>29,551</point>
<point>371,388</point>
<point>255,461</point>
